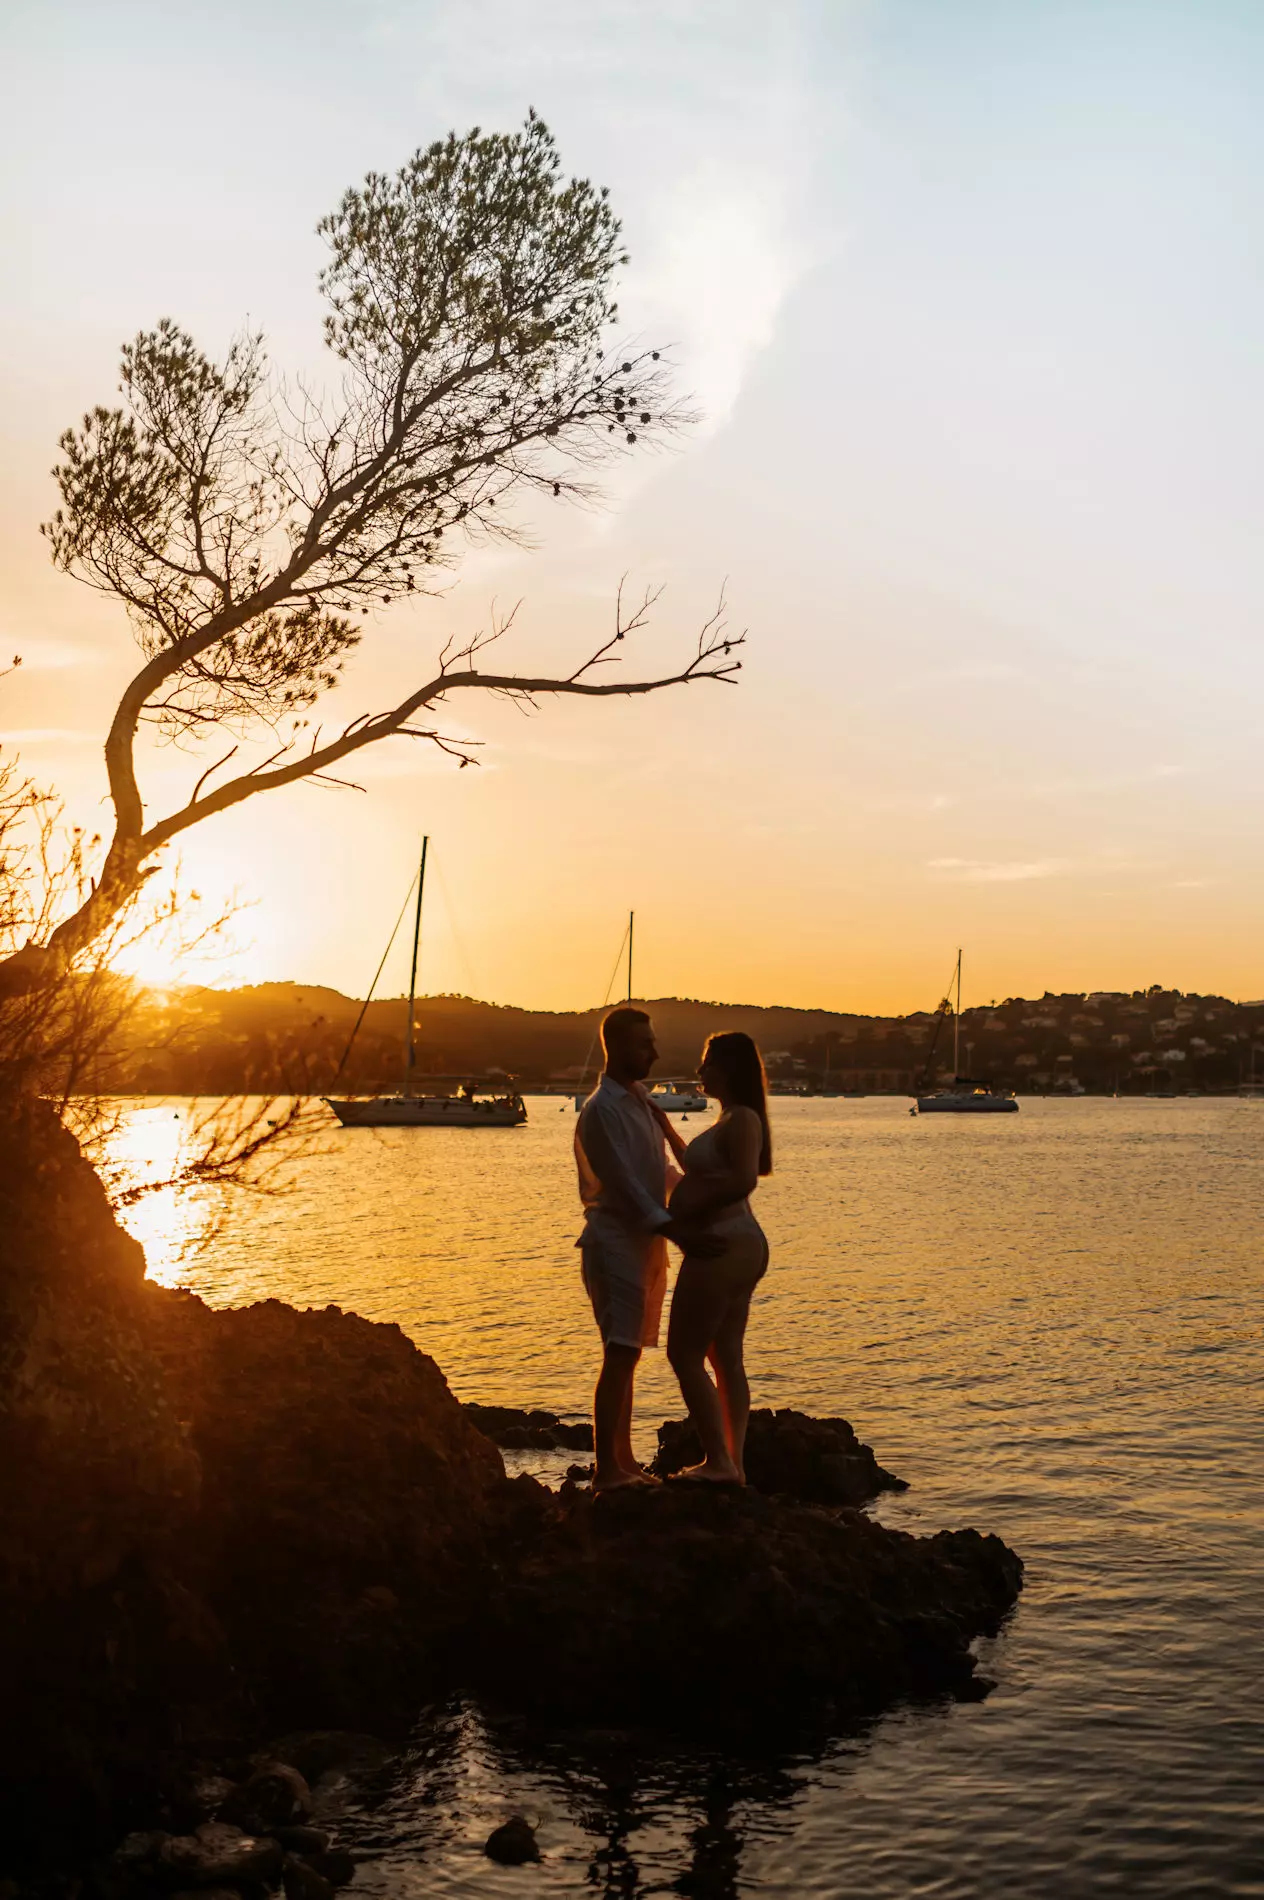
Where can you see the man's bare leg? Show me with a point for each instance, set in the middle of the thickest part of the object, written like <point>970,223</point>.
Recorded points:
<point>612,1419</point>
<point>623,1451</point>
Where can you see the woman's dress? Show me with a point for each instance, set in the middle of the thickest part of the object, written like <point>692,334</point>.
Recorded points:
<point>745,1256</point>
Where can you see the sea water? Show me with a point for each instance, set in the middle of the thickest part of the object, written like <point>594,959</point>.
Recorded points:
<point>1048,1323</point>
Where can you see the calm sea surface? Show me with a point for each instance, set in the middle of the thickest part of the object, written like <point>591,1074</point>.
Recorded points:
<point>1049,1323</point>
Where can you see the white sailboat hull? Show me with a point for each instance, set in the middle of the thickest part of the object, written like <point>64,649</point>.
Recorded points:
<point>428,1111</point>
<point>675,1101</point>
<point>679,1101</point>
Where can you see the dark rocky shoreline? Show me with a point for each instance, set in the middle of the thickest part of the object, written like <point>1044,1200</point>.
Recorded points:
<point>219,1526</point>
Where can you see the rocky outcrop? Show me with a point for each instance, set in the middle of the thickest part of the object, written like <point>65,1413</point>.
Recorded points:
<point>101,1638</point>
<point>208,1520</point>
<point>516,1430</point>
<point>791,1455</point>
<point>236,1839</point>
<point>344,1495</point>
<point>692,1605</point>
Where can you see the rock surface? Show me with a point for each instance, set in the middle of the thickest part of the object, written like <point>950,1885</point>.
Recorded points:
<point>343,1499</point>
<point>692,1606</point>
<point>789,1454</point>
<point>513,1843</point>
<point>274,1795</point>
<point>516,1430</point>
<point>217,1855</point>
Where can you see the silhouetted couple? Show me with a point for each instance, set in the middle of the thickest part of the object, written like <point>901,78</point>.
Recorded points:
<point>635,1201</point>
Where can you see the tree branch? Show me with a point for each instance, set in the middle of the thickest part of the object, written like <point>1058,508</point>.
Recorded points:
<point>394,724</point>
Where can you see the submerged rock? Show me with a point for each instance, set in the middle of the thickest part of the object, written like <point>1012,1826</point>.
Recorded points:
<point>790,1454</point>
<point>513,1844</point>
<point>516,1430</point>
<point>683,1605</point>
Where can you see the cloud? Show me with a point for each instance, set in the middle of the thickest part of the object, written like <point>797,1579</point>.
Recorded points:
<point>996,870</point>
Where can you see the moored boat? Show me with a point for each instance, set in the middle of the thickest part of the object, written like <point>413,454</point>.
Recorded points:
<point>471,1107</point>
<point>965,1095</point>
<point>474,1104</point>
<point>678,1098</point>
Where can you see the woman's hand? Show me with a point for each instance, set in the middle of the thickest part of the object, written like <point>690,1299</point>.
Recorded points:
<point>694,1239</point>
<point>675,1141</point>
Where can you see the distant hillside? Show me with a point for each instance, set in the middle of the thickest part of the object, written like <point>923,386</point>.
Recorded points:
<point>275,1035</point>
<point>290,1036</point>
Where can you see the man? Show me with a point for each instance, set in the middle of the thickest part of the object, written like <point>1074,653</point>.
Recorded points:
<point>624,1184</point>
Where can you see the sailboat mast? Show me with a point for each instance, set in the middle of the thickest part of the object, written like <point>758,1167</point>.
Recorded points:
<point>412,975</point>
<point>956,1025</point>
<point>631,920</point>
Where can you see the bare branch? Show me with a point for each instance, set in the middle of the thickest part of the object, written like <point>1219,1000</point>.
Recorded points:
<point>210,772</point>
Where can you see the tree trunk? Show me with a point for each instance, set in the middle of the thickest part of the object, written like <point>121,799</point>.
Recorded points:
<point>36,965</point>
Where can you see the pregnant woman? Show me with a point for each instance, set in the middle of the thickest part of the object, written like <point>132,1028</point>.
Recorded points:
<point>711,1303</point>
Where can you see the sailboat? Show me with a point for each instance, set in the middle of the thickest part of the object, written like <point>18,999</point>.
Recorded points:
<point>965,1096</point>
<point>473,1105</point>
<point>583,1091</point>
<point>679,1095</point>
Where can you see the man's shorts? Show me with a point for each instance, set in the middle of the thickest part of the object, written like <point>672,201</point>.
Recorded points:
<point>626,1281</point>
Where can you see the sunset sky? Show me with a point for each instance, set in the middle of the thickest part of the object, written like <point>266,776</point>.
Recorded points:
<point>970,294</point>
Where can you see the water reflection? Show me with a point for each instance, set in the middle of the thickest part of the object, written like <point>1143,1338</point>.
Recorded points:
<point>144,1152</point>
<point>619,1814</point>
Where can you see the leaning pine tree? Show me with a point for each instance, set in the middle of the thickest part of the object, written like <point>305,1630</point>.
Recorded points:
<point>249,536</point>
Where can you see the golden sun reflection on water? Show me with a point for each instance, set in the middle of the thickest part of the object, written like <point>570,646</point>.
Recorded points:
<point>172,1222</point>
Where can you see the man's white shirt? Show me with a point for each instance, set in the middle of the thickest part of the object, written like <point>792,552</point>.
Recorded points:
<point>622,1161</point>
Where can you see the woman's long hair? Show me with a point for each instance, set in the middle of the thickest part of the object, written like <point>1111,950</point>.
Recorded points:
<point>736,1056</point>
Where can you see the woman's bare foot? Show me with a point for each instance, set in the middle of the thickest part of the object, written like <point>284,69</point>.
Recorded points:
<point>707,1473</point>
<point>621,1480</point>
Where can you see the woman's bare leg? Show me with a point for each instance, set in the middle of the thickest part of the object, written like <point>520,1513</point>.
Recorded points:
<point>728,1358</point>
<point>708,1420</point>
<point>696,1307</point>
